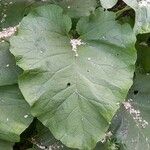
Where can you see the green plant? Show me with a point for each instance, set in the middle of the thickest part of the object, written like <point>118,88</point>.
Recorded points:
<point>74,74</point>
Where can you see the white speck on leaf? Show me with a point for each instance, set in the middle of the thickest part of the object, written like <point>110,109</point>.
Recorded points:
<point>3,41</point>
<point>103,37</point>
<point>74,43</point>
<point>144,3</point>
<point>107,136</point>
<point>118,104</point>
<point>25,116</point>
<point>136,114</point>
<point>8,32</point>
<point>7,65</point>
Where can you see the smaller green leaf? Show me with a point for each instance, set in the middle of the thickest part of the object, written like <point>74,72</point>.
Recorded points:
<point>108,3</point>
<point>142,19</point>
<point>15,116</point>
<point>15,112</point>
<point>131,123</point>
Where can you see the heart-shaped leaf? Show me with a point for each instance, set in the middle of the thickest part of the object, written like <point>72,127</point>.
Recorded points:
<point>74,85</point>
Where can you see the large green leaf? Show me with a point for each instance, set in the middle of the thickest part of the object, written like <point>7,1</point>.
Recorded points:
<point>14,118</point>
<point>4,145</point>
<point>74,91</point>
<point>131,125</point>
<point>108,3</point>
